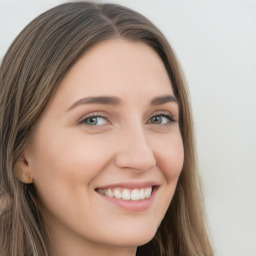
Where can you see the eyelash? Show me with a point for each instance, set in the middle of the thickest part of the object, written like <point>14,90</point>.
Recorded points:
<point>168,116</point>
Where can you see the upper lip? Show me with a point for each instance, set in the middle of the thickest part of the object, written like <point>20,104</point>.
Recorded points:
<point>131,185</point>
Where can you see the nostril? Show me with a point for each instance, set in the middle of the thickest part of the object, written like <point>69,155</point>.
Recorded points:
<point>133,160</point>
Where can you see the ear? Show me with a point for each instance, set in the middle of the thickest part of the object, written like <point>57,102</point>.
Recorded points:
<point>22,171</point>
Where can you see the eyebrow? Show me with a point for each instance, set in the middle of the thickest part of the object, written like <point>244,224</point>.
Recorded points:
<point>115,101</point>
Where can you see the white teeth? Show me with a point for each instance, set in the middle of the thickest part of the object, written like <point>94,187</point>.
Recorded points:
<point>135,195</point>
<point>117,194</point>
<point>142,194</point>
<point>148,192</point>
<point>109,193</point>
<point>128,194</point>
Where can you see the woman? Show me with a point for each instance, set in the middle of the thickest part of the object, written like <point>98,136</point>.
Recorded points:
<point>97,151</point>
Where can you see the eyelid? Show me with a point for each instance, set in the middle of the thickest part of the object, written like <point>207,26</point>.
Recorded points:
<point>165,113</point>
<point>93,114</point>
<point>104,115</point>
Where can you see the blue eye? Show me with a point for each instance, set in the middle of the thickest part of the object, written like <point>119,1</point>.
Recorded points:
<point>161,119</point>
<point>94,120</point>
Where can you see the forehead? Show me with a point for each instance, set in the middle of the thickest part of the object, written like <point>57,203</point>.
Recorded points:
<point>117,67</point>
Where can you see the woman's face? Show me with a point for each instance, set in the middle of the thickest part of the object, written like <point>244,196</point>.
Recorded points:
<point>107,138</point>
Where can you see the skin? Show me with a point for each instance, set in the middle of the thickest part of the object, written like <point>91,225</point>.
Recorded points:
<point>68,159</point>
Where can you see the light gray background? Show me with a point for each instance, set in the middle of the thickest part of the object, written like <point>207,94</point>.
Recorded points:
<point>215,42</point>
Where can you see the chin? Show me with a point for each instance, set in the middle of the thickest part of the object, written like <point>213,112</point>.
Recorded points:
<point>135,238</point>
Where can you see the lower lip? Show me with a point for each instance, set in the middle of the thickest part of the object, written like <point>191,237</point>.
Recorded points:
<point>129,205</point>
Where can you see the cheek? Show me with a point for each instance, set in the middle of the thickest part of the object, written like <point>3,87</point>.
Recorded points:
<point>63,169</point>
<point>170,158</point>
<point>66,161</point>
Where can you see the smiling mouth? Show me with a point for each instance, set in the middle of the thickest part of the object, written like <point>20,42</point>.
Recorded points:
<point>126,194</point>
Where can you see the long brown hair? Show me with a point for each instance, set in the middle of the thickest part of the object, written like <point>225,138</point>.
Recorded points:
<point>30,73</point>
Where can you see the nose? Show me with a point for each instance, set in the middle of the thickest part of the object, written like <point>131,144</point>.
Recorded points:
<point>134,151</point>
